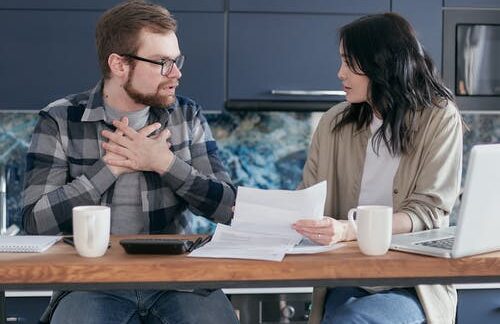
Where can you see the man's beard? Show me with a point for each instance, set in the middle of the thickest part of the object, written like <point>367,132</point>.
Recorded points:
<point>152,100</point>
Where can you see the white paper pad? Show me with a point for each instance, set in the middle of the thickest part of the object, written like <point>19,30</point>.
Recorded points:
<point>27,243</point>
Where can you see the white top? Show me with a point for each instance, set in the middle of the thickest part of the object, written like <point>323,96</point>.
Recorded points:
<point>378,172</point>
<point>378,178</point>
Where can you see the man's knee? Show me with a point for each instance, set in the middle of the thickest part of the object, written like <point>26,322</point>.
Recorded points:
<point>194,308</point>
<point>92,308</point>
<point>346,314</point>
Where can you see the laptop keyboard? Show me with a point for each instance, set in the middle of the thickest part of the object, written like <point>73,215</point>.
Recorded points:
<point>446,243</point>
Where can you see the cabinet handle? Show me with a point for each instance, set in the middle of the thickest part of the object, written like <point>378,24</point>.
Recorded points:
<point>308,92</point>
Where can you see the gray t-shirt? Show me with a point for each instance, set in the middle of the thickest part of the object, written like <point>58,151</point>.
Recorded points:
<point>126,206</point>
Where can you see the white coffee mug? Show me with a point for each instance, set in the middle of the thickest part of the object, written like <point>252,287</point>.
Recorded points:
<point>373,226</point>
<point>91,230</point>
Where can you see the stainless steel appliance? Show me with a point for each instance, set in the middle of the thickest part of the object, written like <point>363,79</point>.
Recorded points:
<point>272,308</point>
<point>471,56</point>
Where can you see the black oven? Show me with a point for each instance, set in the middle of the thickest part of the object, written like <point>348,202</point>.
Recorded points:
<point>471,57</point>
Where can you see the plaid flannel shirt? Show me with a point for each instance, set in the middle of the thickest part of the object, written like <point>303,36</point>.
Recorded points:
<point>65,168</point>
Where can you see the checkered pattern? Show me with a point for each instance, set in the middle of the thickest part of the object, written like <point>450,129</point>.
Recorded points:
<point>65,168</point>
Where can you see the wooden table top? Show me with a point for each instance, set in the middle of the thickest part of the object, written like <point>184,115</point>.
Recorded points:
<point>61,267</point>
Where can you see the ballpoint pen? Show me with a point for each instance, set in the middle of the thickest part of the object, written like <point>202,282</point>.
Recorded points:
<point>199,242</point>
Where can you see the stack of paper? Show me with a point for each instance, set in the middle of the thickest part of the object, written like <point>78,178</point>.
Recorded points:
<point>262,225</point>
<point>228,242</point>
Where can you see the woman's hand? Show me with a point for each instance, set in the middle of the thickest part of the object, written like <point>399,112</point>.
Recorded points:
<point>325,231</point>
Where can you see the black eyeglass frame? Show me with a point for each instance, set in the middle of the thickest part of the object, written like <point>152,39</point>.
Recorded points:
<point>178,61</point>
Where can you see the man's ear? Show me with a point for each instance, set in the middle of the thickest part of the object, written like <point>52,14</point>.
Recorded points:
<point>118,65</point>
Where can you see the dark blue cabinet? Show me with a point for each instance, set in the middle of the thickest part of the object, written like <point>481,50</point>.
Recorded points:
<point>25,310</point>
<point>472,3</point>
<point>58,4</point>
<point>173,5</point>
<point>47,54</point>
<point>478,306</point>
<point>283,52</point>
<point>201,39</point>
<point>427,19</point>
<point>310,6</point>
<point>237,50</point>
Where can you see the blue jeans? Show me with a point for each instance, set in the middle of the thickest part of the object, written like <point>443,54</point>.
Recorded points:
<point>144,306</point>
<point>356,305</point>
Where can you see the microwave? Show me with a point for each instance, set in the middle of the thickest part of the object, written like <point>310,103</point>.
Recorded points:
<point>471,57</point>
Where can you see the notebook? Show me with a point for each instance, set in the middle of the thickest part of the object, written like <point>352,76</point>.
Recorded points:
<point>27,243</point>
<point>478,218</point>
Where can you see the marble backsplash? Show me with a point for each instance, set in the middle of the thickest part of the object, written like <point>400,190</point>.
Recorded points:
<point>260,149</point>
<point>263,150</point>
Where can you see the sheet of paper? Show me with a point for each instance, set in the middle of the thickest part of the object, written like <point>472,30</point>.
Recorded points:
<point>274,211</point>
<point>262,224</point>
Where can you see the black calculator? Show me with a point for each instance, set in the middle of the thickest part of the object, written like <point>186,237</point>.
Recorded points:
<point>162,245</point>
<point>156,246</point>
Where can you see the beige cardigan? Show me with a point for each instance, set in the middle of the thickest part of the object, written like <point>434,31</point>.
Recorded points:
<point>425,185</point>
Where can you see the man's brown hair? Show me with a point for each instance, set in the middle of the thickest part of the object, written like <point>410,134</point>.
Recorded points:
<point>119,28</point>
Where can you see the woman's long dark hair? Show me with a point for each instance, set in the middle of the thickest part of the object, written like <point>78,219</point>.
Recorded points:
<point>403,78</point>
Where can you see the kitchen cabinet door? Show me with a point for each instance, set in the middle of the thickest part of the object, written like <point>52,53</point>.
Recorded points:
<point>58,4</point>
<point>25,309</point>
<point>45,55</point>
<point>193,5</point>
<point>54,55</point>
<point>310,6</point>
<point>282,52</point>
<point>173,5</point>
<point>478,306</point>
<point>472,3</point>
<point>201,39</point>
<point>427,19</point>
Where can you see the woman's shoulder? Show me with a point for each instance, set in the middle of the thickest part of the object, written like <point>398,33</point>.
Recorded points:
<point>337,109</point>
<point>443,117</point>
<point>330,117</point>
<point>446,110</point>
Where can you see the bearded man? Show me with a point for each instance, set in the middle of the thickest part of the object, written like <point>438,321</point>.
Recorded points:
<point>129,143</point>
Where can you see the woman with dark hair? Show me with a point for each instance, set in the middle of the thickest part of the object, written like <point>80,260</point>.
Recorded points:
<point>397,141</point>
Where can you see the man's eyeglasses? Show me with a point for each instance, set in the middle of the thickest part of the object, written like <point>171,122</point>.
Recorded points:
<point>166,64</point>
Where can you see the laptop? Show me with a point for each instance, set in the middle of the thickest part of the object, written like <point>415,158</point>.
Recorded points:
<point>479,215</point>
